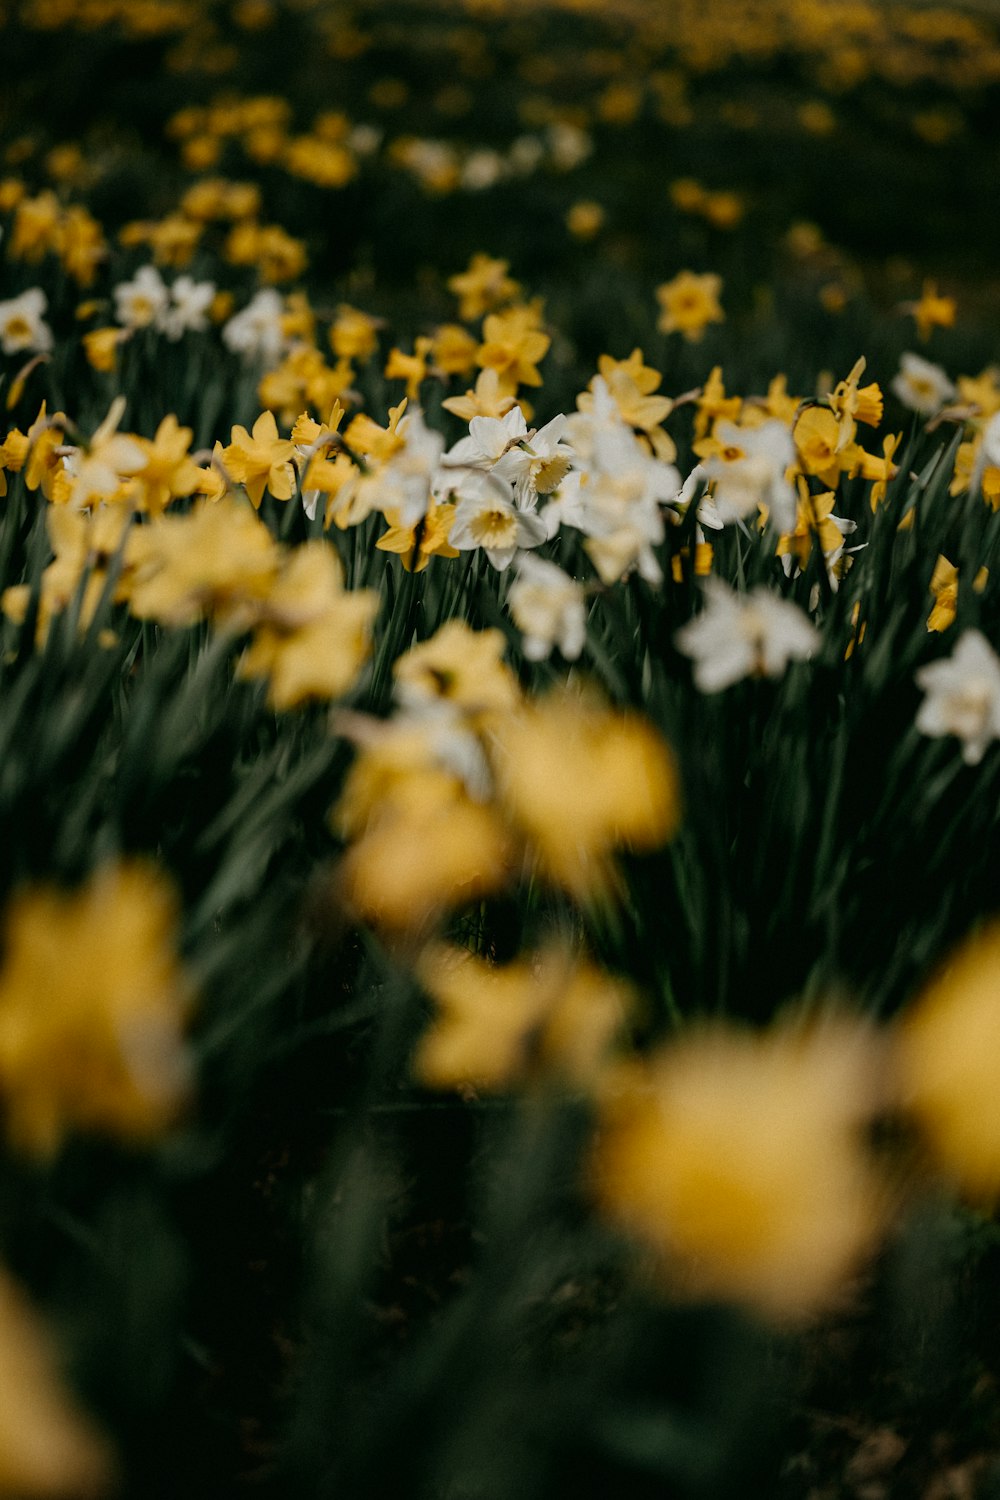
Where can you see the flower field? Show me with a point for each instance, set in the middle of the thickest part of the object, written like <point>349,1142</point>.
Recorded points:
<point>500,723</point>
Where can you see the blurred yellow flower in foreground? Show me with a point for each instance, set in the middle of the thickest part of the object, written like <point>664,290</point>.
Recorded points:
<point>217,559</point>
<point>579,779</point>
<point>409,869</point>
<point>85,544</point>
<point>497,1024</point>
<point>948,1064</point>
<point>421,844</point>
<point>737,1157</point>
<point>314,635</point>
<point>459,666</point>
<point>92,1002</point>
<point>47,1448</point>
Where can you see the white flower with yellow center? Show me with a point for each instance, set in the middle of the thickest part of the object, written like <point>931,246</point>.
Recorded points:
<point>487,517</point>
<point>23,329</point>
<point>190,301</point>
<point>538,465</point>
<point>257,333</point>
<point>549,608</point>
<point>567,505</point>
<point>624,491</point>
<point>921,386</point>
<point>757,476</point>
<point>488,440</point>
<point>143,301</point>
<point>482,169</point>
<point>744,635</point>
<point>963,696</point>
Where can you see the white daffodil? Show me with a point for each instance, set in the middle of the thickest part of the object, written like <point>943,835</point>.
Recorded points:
<point>525,155</point>
<point>741,485</point>
<point>991,443</point>
<point>601,418</point>
<point>143,301</point>
<point>189,304</point>
<point>539,464</point>
<point>487,517</point>
<point>624,489</point>
<point>23,329</point>
<point>921,386</point>
<point>364,140</point>
<point>405,482</point>
<point>482,169</point>
<point>568,145</point>
<point>257,332</point>
<point>488,440</point>
<point>549,608</point>
<point>109,458</point>
<point>963,696</point>
<point>567,507</point>
<point>744,635</point>
<point>708,514</point>
<point>621,537</point>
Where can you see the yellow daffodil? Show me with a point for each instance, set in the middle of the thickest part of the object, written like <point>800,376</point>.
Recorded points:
<point>261,460</point>
<point>737,1157</point>
<point>219,560</point>
<point>947,1048</point>
<point>353,334</point>
<point>92,1004</point>
<point>817,435</point>
<point>931,311</point>
<point>410,367</point>
<point>313,637</point>
<point>580,780</point>
<point>48,1449</point>
<point>714,405</point>
<point>459,666</point>
<point>453,350</point>
<point>169,471</point>
<point>84,543</point>
<point>416,545</point>
<point>689,303</point>
<point>483,286</point>
<point>486,400</point>
<point>814,521</point>
<point>497,1025</point>
<point>512,345</point>
<point>420,844</point>
<point>944,587</point>
<point>101,347</point>
<point>852,404</point>
<point>981,392</point>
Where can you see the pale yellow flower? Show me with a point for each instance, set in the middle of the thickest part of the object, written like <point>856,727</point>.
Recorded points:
<point>737,1157</point>
<point>580,780</point>
<point>48,1449</point>
<point>948,1065</point>
<point>92,1003</point>
<point>498,1024</point>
